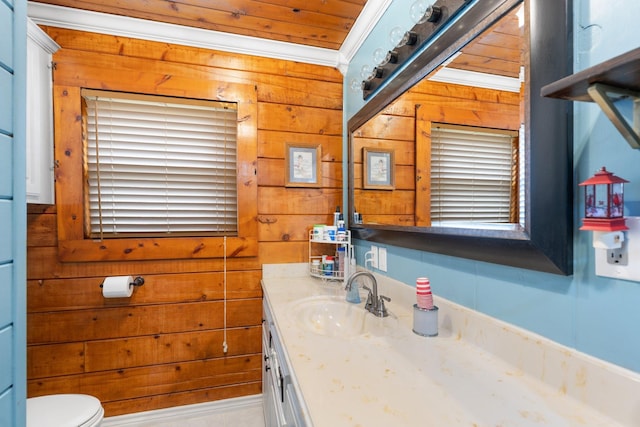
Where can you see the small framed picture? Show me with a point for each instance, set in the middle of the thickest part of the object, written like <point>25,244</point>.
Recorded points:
<point>377,169</point>
<point>303,165</point>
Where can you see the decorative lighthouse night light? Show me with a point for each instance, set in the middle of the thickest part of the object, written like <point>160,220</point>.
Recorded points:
<point>604,202</point>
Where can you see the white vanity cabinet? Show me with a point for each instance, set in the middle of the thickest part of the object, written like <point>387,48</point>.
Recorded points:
<point>40,163</point>
<point>281,403</point>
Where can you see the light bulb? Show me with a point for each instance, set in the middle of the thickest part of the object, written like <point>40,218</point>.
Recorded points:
<point>417,10</point>
<point>365,71</point>
<point>355,85</point>
<point>395,36</point>
<point>379,56</point>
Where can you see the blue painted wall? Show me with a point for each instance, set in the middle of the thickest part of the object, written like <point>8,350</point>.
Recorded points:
<point>13,242</point>
<point>595,315</point>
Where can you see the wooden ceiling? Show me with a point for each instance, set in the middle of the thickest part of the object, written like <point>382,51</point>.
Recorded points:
<point>312,23</point>
<point>497,51</point>
<point>319,23</point>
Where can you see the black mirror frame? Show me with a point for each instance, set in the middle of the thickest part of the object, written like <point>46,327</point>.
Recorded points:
<point>545,243</point>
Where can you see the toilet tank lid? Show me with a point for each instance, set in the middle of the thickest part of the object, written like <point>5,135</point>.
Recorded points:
<point>62,410</point>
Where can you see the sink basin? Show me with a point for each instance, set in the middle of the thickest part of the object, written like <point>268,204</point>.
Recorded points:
<point>329,315</point>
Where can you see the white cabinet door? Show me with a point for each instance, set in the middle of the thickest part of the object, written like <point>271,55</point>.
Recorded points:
<point>40,173</point>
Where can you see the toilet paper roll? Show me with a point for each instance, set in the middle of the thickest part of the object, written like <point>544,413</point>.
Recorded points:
<point>117,287</point>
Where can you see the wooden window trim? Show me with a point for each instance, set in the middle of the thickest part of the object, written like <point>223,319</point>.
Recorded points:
<point>74,247</point>
<point>425,115</point>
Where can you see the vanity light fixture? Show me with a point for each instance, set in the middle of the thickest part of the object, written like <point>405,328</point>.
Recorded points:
<point>409,39</point>
<point>432,14</point>
<point>428,19</point>
<point>420,12</point>
<point>392,57</point>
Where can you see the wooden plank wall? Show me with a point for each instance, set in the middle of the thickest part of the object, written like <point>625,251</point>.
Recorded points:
<point>163,346</point>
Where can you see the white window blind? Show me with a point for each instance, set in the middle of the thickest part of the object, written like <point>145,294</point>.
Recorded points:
<point>473,175</point>
<point>159,166</point>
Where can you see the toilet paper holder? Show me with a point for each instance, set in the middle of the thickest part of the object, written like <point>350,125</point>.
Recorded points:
<point>138,281</point>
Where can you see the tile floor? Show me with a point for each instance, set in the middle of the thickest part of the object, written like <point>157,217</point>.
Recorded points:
<point>246,413</point>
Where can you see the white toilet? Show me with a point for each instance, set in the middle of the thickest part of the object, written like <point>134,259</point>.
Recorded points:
<point>64,410</point>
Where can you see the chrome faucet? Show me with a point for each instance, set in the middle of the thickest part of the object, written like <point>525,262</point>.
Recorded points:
<point>375,302</point>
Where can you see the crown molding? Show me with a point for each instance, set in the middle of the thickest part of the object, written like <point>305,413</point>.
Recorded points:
<point>103,23</point>
<point>41,38</point>
<point>367,20</point>
<point>473,78</point>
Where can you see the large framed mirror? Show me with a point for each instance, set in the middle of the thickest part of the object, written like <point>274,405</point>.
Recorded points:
<point>474,162</point>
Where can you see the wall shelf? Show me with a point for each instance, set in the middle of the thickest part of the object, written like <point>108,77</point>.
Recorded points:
<point>606,84</point>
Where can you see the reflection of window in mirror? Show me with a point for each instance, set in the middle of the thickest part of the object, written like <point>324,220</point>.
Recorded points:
<point>481,85</point>
<point>474,175</point>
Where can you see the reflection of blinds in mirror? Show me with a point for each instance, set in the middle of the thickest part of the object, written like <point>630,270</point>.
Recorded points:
<point>474,175</point>
<point>159,166</point>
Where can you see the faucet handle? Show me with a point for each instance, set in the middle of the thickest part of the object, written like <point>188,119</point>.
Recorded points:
<point>369,302</point>
<point>381,308</point>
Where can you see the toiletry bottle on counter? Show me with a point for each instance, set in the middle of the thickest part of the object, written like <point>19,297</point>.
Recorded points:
<point>342,254</point>
<point>341,234</point>
<point>318,231</point>
<point>357,217</point>
<point>328,266</point>
<point>337,216</point>
<point>315,266</point>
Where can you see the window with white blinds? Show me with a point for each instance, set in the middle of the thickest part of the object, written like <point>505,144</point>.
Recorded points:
<point>159,166</point>
<point>474,175</point>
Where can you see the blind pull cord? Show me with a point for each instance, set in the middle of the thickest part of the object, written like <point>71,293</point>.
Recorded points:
<point>224,263</point>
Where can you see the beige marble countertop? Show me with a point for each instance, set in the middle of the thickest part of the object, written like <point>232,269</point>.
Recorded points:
<point>390,376</point>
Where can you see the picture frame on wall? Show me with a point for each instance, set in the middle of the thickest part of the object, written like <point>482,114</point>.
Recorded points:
<point>303,165</point>
<point>377,169</point>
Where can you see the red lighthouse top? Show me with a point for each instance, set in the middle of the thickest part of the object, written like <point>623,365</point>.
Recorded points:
<point>603,176</point>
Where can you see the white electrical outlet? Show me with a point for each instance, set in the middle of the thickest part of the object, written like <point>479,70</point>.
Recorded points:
<point>382,259</point>
<point>622,263</point>
<point>374,256</point>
